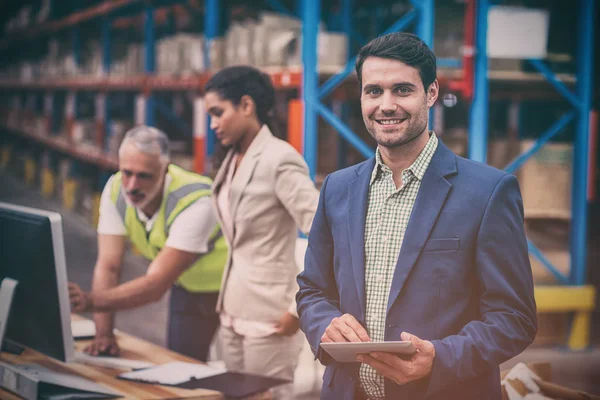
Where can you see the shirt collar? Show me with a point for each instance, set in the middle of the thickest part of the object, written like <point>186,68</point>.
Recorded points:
<point>417,168</point>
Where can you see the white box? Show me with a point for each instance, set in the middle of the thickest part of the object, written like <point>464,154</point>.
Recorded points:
<point>517,32</point>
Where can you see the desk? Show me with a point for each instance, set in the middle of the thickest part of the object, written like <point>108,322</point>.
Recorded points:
<point>131,348</point>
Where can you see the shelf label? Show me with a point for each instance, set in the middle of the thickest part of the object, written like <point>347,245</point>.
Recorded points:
<point>200,118</point>
<point>140,110</point>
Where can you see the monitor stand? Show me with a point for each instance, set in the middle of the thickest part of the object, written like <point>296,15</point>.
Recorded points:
<point>7,290</point>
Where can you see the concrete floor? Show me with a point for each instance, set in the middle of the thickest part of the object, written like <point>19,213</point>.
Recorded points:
<point>578,370</point>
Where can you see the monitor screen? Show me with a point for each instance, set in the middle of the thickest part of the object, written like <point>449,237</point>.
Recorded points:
<point>32,253</point>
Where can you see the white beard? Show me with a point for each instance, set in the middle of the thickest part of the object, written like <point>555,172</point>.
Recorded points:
<point>149,196</point>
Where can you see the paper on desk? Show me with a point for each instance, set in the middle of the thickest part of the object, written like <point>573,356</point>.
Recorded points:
<point>110,362</point>
<point>83,329</point>
<point>173,373</point>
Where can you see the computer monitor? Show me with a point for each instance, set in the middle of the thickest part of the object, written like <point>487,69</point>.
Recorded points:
<point>32,253</point>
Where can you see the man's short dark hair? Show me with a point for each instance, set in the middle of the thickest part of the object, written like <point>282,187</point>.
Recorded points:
<point>400,46</point>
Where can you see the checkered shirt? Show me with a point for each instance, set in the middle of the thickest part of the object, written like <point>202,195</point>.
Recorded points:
<point>388,213</point>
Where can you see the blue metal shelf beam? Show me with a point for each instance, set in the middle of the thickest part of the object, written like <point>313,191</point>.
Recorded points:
<point>311,15</point>
<point>478,117</point>
<point>212,30</point>
<point>425,26</point>
<point>545,138</point>
<point>546,263</point>
<point>558,85</point>
<point>585,55</point>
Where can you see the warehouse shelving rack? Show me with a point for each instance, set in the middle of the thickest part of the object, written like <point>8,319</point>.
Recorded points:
<point>572,294</point>
<point>472,80</point>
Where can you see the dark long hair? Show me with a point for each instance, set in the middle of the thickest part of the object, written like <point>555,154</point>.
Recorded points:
<point>234,82</point>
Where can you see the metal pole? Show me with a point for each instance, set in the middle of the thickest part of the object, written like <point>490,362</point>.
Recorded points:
<point>310,23</point>
<point>103,99</point>
<point>425,26</point>
<point>212,17</point>
<point>478,118</point>
<point>585,55</point>
<point>150,61</point>
<point>342,108</point>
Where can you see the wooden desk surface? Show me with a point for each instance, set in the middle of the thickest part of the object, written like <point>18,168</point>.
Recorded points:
<point>131,348</point>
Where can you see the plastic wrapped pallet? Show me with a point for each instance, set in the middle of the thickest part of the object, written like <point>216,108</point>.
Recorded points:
<point>119,58</point>
<point>92,59</point>
<point>332,51</point>
<point>231,39</point>
<point>167,56</point>
<point>238,48</point>
<point>266,31</point>
<point>279,47</point>
<point>134,63</point>
<point>216,53</point>
<point>191,53</point>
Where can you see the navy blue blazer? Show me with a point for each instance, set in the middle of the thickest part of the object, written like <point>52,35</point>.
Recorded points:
<point>463,278</point>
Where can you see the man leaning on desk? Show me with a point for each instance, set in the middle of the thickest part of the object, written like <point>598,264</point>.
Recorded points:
<point>166,213</point>
<point>415,244</point>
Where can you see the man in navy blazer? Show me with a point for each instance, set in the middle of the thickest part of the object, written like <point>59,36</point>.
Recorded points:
<point>460,286</point>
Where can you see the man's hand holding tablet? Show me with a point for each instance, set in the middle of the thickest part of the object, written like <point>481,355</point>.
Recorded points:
<point>410,359</point>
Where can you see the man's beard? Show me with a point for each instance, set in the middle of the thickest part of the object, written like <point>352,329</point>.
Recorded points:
<point>147,198</point>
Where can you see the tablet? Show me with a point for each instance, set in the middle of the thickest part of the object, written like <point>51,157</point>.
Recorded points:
<point>348,351</point>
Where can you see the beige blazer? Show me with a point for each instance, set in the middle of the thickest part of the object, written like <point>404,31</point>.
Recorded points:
<point>271,196</point>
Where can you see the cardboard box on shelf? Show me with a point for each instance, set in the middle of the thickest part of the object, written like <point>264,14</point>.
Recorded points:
<point>501,152</point>
<point>545,181</point>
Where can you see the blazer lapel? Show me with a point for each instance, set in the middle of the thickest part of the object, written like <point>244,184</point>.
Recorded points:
<point>246,168</point>
<point>222,172</point>
<point>428,204</point>
<point>358,194</point>
<point>216,188</point>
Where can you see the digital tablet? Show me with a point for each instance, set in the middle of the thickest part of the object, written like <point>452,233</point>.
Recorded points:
<point>348,351</point>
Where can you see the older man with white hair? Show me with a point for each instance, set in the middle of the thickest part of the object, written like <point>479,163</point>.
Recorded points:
<point>166,213</point>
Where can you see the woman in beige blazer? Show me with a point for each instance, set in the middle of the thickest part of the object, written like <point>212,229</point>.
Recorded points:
<point>263,194</point>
